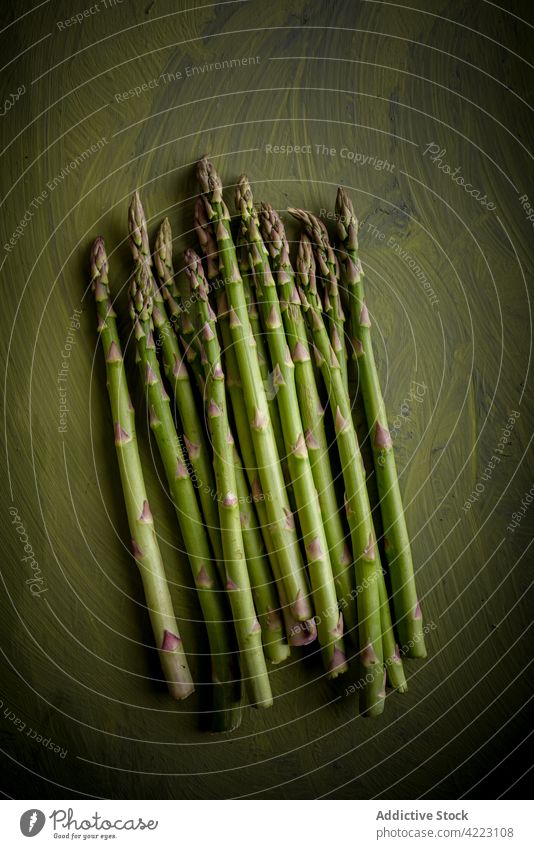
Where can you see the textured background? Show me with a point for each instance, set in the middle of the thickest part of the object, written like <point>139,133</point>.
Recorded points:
<point>379,79</point>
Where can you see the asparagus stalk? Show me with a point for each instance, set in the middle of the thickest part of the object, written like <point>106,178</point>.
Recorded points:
<point>396,540</point>
<point>209,246</point>
<point>365,551</point>
<point>326,257</point>
<point>226,689</point>
<point>264,593</point>
<point>174,367</point>
<point>312,413</point>
<point>237,581</point>
<point>298,633</point>
<point>177,310</point>
<point>281,519</point>
<point>263,589</point>
<point>330,620</point>
<point>262,352</point>
<point>145,548</point>
<point>329,269</point>
<point>392,659</point>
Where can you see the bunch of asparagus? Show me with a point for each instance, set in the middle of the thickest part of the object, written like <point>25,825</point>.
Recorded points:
<point>248,360</point>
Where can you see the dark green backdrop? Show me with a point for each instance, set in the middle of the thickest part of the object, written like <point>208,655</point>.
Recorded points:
<point>377,82</point>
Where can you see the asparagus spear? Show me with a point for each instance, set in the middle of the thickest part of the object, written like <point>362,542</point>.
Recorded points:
<point>263,589</point>
<point>327,259</point>
<point>298,633</point>
<point>237,581</point>
<point>330,620</point>
<point>209,246</point>
<point>393,663</point>
<point>226,689</point>
<point>177,309</point>
<point>392,659</point>
<point>264,594</point>
<point>281,519</point>
<point>257,333</point>
<point>396,539</point>
<point>329,268</point>
<point>312,413</point>
<point>357,506</point>
<point>144,543</point>
<point>261,350</point>
<point>175,369</point>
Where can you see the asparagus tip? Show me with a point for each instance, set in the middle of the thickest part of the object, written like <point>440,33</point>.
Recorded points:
<point>98,259</point>
<point>346,221</point>
<point>244,200</point>
<point>209,180</point>
<point>138,230</point>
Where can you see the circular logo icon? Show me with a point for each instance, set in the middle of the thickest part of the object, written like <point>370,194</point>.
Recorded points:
<point>31,822</point>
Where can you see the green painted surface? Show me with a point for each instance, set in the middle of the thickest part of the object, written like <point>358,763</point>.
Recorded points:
<point>381,82</point>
